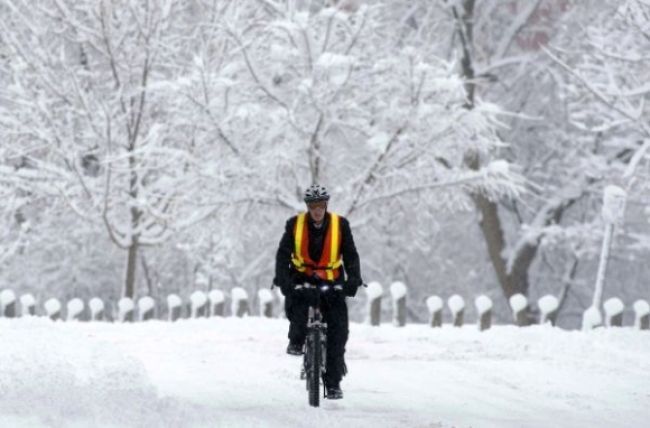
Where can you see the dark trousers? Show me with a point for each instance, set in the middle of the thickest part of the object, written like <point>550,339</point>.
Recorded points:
<point>335,314</point>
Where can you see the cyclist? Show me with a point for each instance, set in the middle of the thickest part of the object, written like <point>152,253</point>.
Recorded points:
<point>317,248</point>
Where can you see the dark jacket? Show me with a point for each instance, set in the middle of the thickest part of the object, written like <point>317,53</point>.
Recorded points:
<point>286,275</point>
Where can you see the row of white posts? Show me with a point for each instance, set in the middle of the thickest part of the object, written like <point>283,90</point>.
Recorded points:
<point>200,305</point>
<point>212,304</point>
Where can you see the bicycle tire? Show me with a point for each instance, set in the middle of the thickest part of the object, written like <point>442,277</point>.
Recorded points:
<point>313,373</point>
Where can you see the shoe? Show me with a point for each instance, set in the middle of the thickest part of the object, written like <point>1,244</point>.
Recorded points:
<point>333,393</point>
<point>294,349</point>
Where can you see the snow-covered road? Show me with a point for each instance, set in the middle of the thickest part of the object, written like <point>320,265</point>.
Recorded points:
<point>234,373</point>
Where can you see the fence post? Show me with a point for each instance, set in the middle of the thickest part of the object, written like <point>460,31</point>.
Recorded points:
<point>265,297</point>
<point>591,318</point>
<point>548,306</point>
<point>435,305</point>
<point>96,306</point>
<point>374,294</point>
<point>198,304</point>
<point>8,304</point>
<point>398,292</point>
<point>217,300</point>
<point>456,305</point>
<point>519,306</point>
<point>53,309</point>
<point>174,305</point>
<point>125,309</point>
<point>146,308</point>
<point>484,309</point>
<point>239,302</point>
<point>27,305</point>
<point>642,315</point>
<point>614,312</point>
<point>74,309</point>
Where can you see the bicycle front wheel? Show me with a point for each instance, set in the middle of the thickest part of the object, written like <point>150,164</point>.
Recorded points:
<point>313,371</point>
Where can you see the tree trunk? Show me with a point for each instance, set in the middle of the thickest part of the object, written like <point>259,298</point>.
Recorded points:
<point>131,265</point>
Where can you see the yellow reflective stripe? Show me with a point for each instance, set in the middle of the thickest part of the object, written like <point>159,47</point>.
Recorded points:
<point>300,226</point>
<point>335,259</point>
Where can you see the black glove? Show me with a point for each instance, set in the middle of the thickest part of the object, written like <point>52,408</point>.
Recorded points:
<point>350,287</point>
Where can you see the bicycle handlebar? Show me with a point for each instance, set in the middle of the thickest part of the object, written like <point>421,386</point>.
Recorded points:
<point>323,287</point>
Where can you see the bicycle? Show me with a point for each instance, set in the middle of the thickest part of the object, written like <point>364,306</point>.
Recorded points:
<point>315,356</point>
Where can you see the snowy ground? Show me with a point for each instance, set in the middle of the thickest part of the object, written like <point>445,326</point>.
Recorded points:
<point>234,373</point>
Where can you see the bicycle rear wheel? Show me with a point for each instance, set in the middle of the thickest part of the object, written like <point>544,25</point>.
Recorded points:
<point>313,369</point>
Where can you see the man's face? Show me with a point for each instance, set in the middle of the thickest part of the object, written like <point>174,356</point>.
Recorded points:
<point>317,210</point>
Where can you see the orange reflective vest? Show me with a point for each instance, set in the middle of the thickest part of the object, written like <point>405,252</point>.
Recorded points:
<point>330,261</point>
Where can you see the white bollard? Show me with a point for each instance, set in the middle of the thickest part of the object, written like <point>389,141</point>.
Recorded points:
<point>519,306</point>
<point>265,298</point>
<point>641,315</point>
<point>614,308</point>
<point>548,306</point>
<point>74,309</point>
<point>27,305</point>
<point>96,306</point>
<point>591,319</point>
<point>174,305</point>
<point>125,309</point>
<point>398,292</point>
<point>435,306</point>
<point>484,310</point>
<point>198,304</point>
<point>8,304</point>
<point>53,308</point>
<point>217,300</point>
<point>374,293</point>
<point>456,305</point>
<point>239,306</point>
<point>146,308</point>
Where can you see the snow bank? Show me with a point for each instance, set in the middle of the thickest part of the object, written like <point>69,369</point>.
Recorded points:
<point>56,375</point>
